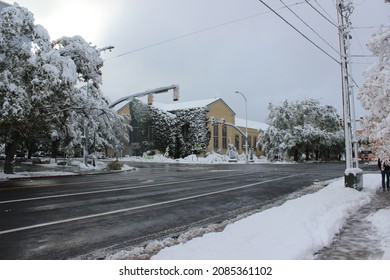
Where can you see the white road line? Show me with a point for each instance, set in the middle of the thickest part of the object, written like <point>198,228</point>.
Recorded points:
<point>110,190</point>
<point>141,207</point>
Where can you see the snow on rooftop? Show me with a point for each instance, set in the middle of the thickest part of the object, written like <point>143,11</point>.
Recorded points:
<point>184,105</point>
<point>251,124</point>
<point>203,103</point>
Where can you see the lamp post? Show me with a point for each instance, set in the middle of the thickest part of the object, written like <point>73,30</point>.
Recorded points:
<point>246,126</point>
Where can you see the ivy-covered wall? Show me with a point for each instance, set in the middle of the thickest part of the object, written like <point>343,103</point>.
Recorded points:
<point>179,133</point>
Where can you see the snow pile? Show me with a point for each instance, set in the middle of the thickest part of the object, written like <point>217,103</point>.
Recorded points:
<point>295,230</point>
<point>380,221</point>
<point>211,158</point>
<point>99,166</point>
<point>21,175</point>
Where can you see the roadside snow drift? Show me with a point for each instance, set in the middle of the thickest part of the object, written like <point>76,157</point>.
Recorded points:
<point>295,230</point>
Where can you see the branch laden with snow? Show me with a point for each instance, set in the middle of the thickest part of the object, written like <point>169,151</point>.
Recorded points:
<point>374,95</point>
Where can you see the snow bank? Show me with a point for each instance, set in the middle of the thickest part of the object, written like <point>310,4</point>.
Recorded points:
<point>211,158</point>
<point>381,222</point>
<point>22,175</point>
<point>295,230</point>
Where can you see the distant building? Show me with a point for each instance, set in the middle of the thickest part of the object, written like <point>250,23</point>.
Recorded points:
<point>220,135</point>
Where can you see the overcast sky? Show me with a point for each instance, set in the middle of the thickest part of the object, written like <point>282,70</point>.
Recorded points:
<point>244,47</point>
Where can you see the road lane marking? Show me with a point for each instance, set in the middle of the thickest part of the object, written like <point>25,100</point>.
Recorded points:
<point>114,190</point>
<point>141,207</point>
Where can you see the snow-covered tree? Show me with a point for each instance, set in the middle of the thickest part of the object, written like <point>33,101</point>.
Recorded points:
<point>374,95</point>
<point>300,129</point>
<point>20,41</point>
<point>93,108</point>
<point>39,87</point>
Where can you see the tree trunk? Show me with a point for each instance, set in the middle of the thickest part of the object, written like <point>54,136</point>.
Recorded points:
<point>296,155</point>
<point>10,151</point>
<point>307,153</point>
<point>54,148</point>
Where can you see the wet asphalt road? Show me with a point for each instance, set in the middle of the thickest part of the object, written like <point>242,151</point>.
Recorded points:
<point>65,218</point>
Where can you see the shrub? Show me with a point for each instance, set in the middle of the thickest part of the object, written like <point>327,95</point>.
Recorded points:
<point>114,165</point>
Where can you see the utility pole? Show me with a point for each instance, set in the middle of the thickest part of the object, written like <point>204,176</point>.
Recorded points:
<point>353,175</point>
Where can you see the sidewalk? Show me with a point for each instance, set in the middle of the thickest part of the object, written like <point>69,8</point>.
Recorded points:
<point>357,239</point>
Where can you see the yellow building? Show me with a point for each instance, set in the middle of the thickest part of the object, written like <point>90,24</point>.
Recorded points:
<point>220,135</point>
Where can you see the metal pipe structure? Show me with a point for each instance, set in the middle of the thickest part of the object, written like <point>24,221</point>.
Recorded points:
<point>145,93</point>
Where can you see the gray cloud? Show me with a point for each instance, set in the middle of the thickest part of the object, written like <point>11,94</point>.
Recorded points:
<point>260,56</point>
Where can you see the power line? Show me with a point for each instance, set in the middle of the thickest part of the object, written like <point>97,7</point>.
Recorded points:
<point>363,55</point>
<point>360,44</point>
<point>303,35</point>
<point>197,32</point>
<point>192,33</point>
<point>321,14</point>
<point>334,21</point>
<point>304,22</point>
<point>365,27</point>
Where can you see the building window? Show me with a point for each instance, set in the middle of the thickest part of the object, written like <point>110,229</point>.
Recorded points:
<point>216,135</point>
<point>237,142</point>
<point>150,133</point>
<point>254,142</point>
<point>243,142</point>
<point>185,132</point>
<point>249,142</point>
<point>134,132</point>
<point>224,137</point>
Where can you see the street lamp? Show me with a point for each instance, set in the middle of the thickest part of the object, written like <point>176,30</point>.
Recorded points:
<point>246,126</point>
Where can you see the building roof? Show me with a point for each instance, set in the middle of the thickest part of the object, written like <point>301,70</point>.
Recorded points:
<point>203,103</point>
<point>251,124</point>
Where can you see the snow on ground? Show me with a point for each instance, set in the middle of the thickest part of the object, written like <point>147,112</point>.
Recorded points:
<point>295,230</point>
<point>26,174</point>
<point>380,221</point>
<point>211,158</point>
<point>78,164</point>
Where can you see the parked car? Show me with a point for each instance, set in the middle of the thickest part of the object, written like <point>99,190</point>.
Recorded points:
<point>39,154</point>
<point>40,157</point>
<point>366,155</point>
